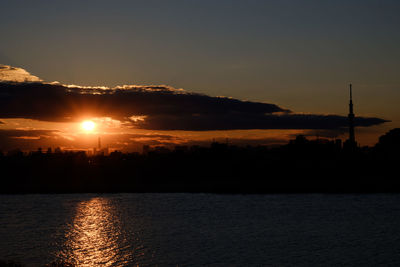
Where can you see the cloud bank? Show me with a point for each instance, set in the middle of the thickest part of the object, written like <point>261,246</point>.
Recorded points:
<point>154,108</point>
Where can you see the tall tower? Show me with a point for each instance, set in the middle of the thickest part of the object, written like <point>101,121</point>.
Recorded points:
<point>352,139</point>
<point>99,143</point>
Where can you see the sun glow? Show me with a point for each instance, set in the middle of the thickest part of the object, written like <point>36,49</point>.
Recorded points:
<point>88,126</point>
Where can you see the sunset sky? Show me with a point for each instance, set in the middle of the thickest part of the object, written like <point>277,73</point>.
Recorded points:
<point>185,72</point>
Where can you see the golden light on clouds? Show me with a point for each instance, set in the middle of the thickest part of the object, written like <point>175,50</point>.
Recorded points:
<point>88,126</point>
<point>13,74</point>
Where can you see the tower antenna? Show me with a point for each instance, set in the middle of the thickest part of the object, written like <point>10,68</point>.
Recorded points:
<point>352,139</point>
<point>351,93</point>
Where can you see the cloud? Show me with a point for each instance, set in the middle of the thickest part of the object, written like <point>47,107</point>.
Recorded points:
<point>13,74</point>
<point>15,133</point>
<point>324,133</point>
<point>156,107</point>
<point>56,102</point>
<point>29,139</point>
<point>245,121</point>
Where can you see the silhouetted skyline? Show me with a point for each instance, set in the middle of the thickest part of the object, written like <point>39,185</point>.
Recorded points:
<point>302,165</point>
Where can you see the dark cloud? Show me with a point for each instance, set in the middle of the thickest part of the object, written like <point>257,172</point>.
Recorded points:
<point>156,108</point>
<point>55,102</point>
<point>28,139</point>
<point>269,141</point>
<point>242,120</point>
<point>14,133</point>
<point>324,133</point>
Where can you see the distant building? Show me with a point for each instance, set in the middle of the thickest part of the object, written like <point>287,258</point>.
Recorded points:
<point>146,149</point>
<point>351,143</point>
<point>338,144</point>
<point>181,149</point>
<point>161,150</point>
<point>105,151</point>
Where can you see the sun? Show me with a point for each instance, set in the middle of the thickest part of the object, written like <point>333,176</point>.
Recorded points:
<point>88,126</point>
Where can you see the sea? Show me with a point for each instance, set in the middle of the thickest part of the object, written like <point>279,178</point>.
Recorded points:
<point>201,229</point>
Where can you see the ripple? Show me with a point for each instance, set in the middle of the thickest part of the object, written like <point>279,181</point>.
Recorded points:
<point>95,236</point>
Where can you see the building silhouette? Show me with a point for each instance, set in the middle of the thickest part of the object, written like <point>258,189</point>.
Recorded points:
<point>351,143</point>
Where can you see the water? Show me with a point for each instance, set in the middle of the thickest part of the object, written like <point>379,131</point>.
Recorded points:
<point>201,229</point>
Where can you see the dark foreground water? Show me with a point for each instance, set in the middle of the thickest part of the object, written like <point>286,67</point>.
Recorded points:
<point>201,229</point>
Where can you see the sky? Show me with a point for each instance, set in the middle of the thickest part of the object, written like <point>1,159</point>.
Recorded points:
<point>296,55</point>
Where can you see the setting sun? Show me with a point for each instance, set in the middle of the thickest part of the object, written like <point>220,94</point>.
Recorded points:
<point>88,125</point>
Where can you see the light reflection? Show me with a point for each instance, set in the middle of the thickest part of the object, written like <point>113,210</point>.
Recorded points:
<point>95,237</point>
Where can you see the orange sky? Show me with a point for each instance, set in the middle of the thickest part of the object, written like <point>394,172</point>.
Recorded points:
<point>116,134</point>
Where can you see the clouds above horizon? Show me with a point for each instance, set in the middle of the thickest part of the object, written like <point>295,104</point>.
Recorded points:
<point>160,107</point>
<point>155,108</point>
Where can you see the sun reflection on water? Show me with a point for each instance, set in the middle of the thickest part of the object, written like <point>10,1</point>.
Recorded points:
<point>95,237</point>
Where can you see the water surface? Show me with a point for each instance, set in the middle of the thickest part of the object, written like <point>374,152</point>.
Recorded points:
<point>201,229</point>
